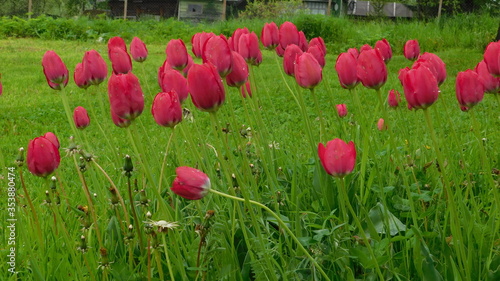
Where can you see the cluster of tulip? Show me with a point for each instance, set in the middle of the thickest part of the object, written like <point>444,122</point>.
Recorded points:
<point>229,58</point>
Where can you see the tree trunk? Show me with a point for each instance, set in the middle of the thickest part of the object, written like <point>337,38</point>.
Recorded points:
<point>498,34</point>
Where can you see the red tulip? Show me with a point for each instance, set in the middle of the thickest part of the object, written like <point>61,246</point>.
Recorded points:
<point>1,87</point>
<point>347,70</point>
<point>216,51</point>
<point>138,50</point>
<point>81,77</point>
<point>318,54</point>
<point>117,42</point>
<point>385,49</point>
<point>118,121</point>
<point>318,41</point>
<point>206,88</point>
<point>436,65</point>
<point>198,41</point>
<point>120,60</point>
<point>270,36</point>
<point>81,117</point>
<point>288,34</point>
<point>125,95</point>
<point>52,138</point>
<point>393,98</point>
<point>55,70</point>
<point>490,83</point>
<point>248,48</point>
<point>239,75</point>
<point>492,58</point>
<point>303,44</point>
<point>235,38</point>
<point>308,73</point>
<point>342,110</point>
<point>291,52</point>
<point>188,66</point>
<point>246,90</point>
<point>411,50</point>
<point>190,183</point>
<point>280,51</point>
<point>95,66</point>
<point>43,157</point>
<point>166,109</point>
<point>420,87</point>
<point>174,80</point>
<point>177,55</point>
<point>338,157</point>
<point>469,89</point>
<point>371,69</point>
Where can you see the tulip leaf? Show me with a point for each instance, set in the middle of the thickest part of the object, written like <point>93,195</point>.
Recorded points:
<point>380,216</point>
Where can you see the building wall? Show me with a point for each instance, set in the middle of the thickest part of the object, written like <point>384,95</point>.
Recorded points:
<point>365,8</point>
<point>200,9</point>
<point>138,8</point>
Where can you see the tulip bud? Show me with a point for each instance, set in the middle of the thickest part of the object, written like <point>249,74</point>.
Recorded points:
<point>318,54</point>
<point>81,77</point>
<point>280,51</point>
<point>269,35</point>
<point>206,88</point>
<point>291,53</point>
<point>318,41</point>
<point>347,70</point>
<point>354,52</point>
<point>492,58</point>
<point>342,110</point>
<point>337,157</point>
<point>190,183</point>
<point>81,117</point>
<point>385,49</point>
<point>393,98</point>
<point>435,64</point>
<point>420,87</point>
<point>95,67</point>
<point>125,95</point>
<point>216,51</point>
<point>120,60</point>
<point>308,72</point>
<point>167,109</point>
<point>55,70</point>
<point>288,34</point>
<point>381,126</point>
<point>198,41</point>
<point>469,89</point>
<point>128,167</point>
<point>42,157</point>
<point>248,48</point>
<point>52,138</point>
<point>246,90</point>
<point>174,80</point>
<point>365,47</point>
<point>490,83</point>
<point>371,69</point>
<point>120,122</point>
<point>239,75</point>
<point>117,42</point>
<point>177,55</point>
<point>411,50</point>
<point>235,38</point>
<point>138,50</point>
<point>303,44</point>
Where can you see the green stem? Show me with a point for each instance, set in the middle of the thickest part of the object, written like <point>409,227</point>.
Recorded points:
<point>281,223</point>
<point>134,214</point>
<point>165,159</point>
<point>32,207</point>
<point>320,115</point>
<point>169,265</point>
<point>361,230</point>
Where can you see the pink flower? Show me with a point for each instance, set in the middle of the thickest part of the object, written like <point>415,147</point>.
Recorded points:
<point>347,70</point>
<point>303,44</point>
<point>338,157</point>
<point>118,121</point>
<point>318,54</point>
<point>138,50</point>
<point>43,157</point>
<point>371,69</point>
<point>125,96</point>
<point>288,34</point>
<point>269,35</point>
<point>81,77</point>
<point>81,117</point>
<point>393,98</point>
<point>411,50</point>
<point>246,90</point>
<point>318,41</point>
<point>291,52</point>
<point>120,60</point>
<point>469,89</point>
<point>381,126</point>
<point>342,110</point>
<point>492,58</point>
<point>206,88</point>
<point>177,55</point>
<point>308,73</point>
<point>52,138</point>
<point>167,109</point>
<point>95,66</point>
<point>198,41</point>
<point>55,70</point>
<point>491,83</point>
<point>217,52</point>
<point>385,49</point>
<point>190,183</point>
<point>420,87</point>
<point>435,64</point>
<point>235,39</point>
<point>239,75</point>
<point>248,48</point>
<point>174,80</point>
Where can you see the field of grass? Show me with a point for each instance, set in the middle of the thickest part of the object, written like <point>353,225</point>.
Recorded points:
<point>411,218</point>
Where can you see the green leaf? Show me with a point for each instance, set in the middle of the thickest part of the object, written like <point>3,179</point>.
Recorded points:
<point>379,216</point>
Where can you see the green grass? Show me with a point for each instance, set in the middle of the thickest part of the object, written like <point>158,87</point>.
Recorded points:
<point>397,178</point>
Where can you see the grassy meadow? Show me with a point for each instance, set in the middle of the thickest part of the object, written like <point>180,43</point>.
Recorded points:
<point>413,216</point>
